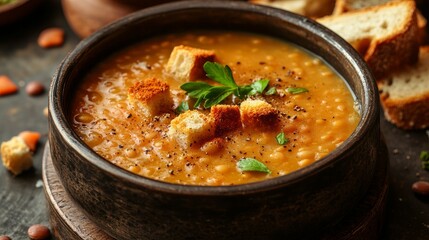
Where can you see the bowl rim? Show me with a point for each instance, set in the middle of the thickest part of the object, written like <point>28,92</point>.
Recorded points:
<point>369,114</point>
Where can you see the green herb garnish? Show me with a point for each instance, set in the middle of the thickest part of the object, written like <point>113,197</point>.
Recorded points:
<point>297,90</point>
<point>251,164</point>
<point>271,91</point>
<point>212,95</point>
<point>183,107</point>
<point>424,157</point>
<point>259,86</point>
<point>282,139</point>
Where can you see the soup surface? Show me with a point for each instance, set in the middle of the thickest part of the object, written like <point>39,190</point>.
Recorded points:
<point>314,111</point>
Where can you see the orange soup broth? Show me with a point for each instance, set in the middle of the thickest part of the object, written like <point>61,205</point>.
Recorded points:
<point>315,122</point>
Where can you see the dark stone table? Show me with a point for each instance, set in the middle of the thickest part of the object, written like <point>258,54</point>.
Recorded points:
<point>22,200</point>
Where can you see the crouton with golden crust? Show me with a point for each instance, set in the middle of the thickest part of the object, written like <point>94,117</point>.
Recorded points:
<point>191,127</point>
<point>151,97</point>
<point>186,63</point>
<point>258,114</point>
<point>16,155</point>
<point>226,118</point>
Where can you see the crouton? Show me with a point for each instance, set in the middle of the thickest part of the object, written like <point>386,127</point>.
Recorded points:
<point>226,118</point>
<point>191,127</point>
<point>259,114</point>
<point>151,97</point>
<point>16,155</point>
<point>186,63</point>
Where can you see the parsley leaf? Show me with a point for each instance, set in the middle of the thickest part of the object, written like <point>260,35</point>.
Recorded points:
<point>220,74</point>
<point>281,138</point>
<point>259,86</point>
<point>271,91</point>
<point>212,95</point>
<point>183,107</point>
<point>296,90</point>
<point>251,164</point>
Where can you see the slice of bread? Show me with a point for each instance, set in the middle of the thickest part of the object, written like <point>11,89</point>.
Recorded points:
<point>309,8</point>
<point>342,6</point>
<point>405,94</point>
<point>186,63</point>
<point>386,35</point>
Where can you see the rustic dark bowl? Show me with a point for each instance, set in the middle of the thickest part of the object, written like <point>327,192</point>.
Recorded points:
<point>298,205</point>
<point>12,12</point>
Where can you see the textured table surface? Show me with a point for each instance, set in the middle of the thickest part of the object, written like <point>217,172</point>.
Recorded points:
<point>22,201</point>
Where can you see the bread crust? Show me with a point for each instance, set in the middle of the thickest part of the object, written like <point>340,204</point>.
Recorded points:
<point>409,113</point>
<point>385,53</point>
<point>226,118</point>
<point>410,110</point>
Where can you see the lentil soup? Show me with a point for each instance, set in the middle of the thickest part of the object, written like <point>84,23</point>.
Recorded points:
<point>315,111</point>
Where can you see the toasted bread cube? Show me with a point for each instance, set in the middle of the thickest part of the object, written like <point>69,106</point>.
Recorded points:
<point>151,97</point>
<point>186,63</point>
<point>226,118</point>
<point>16,155</point>
<point>191,127</point>
<point>259,114</point>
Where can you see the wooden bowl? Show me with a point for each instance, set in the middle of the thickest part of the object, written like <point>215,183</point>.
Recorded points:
<point>295,206</point>
<point>12,12</point>
<point>87,16</point>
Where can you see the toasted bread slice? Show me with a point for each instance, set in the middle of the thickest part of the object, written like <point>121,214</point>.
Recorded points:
<point>386,35</point>
<point>405,94</point>
<point>309,8</point>
<point>186,63</point>
<point>342,6</point>
<point>150,97</point>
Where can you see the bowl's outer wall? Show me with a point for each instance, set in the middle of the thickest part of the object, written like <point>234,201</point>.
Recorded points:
<point>132,207</point>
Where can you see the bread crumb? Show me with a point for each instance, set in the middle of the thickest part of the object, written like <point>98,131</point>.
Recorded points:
<point>46,111</point>
<point>16,155</point>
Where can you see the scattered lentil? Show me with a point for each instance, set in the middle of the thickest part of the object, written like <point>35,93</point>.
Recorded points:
<point>421,188</point>
<point>51,37</point>
<point>34,88</point>
<point>38,232</point>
